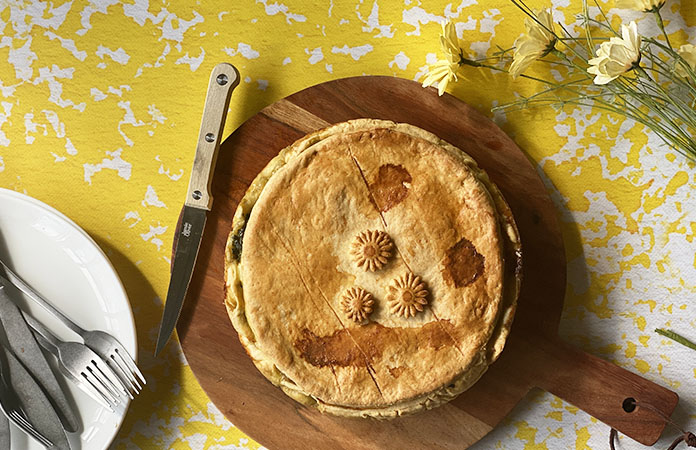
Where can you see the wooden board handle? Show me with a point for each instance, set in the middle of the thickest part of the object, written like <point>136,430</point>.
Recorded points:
<point>600,388</point>
<point>223,79</point>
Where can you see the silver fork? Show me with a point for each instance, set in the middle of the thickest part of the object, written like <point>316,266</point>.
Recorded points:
<point>105,345</point>
<point>82,365</point>
<point>10,406</point>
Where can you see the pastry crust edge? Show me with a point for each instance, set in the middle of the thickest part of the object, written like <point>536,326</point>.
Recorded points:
<point>512,254</point>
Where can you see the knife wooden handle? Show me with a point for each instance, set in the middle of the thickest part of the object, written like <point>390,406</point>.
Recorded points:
<point>223,79</point>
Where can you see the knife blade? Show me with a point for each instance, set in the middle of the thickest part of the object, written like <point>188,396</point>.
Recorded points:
<point>35,403</point>
<point>223,79</point>
<point>21,341</point>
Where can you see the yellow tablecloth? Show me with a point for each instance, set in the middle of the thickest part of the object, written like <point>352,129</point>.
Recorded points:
<point>99,112</point>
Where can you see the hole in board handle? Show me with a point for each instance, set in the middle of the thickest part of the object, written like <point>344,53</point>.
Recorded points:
<point>629,404</point>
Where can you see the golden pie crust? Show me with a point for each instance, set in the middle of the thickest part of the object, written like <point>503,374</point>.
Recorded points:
<point>289,264</point>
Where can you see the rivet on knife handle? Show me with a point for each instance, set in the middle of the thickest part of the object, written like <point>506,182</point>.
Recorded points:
<point>223,80</point>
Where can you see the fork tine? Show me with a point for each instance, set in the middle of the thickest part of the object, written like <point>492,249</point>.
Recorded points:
<point>19,418</point>
<point>90,385</point>
<point>99,386</point>
<point>110,379</point>
<point>123,366</point>
<point>124,375</point>
<point>133,367</point>
<point>109,387</point>
<point>28,428</point>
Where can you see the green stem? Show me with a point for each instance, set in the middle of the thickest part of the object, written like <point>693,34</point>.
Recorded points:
<point>469,62</point>
<point>669,102</point>
<point>675,337</point>
<point>554,88</point>
<point>606,24</point>
<point>658,19</point>
<point>649,92</point>
<point>588,33</point>
<point>679,59</point>
<point>564,57</point>
<point>663,69</point>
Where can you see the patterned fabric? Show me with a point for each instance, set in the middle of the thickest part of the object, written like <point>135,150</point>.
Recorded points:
<point>100,103</point>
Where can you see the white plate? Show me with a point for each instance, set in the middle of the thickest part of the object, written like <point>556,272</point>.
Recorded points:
<point>60,261</point>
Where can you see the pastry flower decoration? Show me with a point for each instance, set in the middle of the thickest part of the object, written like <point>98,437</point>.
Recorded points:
<point>371,249</point>
<point>407,295</point>
<point>357,304</point>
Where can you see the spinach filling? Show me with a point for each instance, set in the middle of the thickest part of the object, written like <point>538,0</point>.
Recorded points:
<point>238,239</point>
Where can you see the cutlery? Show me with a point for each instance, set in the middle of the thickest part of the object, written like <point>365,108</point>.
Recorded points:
<point>4,431</point>
<point>81,365</point>
<point>27,350</point>
<point>105,345</point>
<point>37,406</point>
<point>11,407</point>
<point>223,79</point>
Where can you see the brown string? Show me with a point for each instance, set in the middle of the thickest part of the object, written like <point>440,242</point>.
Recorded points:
<point>612,436</point>
<point>687,437</point>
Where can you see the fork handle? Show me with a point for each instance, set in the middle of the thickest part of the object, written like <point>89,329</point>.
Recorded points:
<point>15,280</point>
<point>43,334</point>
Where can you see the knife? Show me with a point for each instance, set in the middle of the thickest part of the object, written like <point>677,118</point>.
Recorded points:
<point>223,80</point>
<point>21,341</point>
<point>35,403</point>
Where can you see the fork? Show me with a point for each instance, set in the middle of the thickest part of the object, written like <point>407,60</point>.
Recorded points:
<point>105,345</point>
<point>10,406</point>
<point>82,365</point>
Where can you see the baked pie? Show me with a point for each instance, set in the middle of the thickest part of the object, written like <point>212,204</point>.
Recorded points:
<point>403,320</point>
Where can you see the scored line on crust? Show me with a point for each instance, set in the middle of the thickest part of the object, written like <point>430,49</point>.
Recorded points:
<point>398,251</point>
<point>370,370</point>
<point>409,405</point>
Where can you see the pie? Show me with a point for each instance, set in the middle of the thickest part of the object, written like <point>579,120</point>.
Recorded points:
<point>372,270</point>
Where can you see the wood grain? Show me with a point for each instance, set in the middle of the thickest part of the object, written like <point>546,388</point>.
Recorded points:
<point>534,355</point>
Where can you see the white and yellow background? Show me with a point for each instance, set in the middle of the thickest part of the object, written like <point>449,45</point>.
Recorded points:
<point>100,103</point>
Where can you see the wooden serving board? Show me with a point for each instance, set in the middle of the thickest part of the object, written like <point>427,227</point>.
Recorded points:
<point>533,356</point>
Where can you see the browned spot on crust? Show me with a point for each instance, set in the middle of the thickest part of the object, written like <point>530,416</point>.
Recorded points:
<point>343,349</point>
<point>396,371</point>
<point>463,264</point>
<point>388,188</point>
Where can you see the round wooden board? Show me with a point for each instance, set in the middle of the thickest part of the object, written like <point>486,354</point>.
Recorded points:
<point>533,355</point>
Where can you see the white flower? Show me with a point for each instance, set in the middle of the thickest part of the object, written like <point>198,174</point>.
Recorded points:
<point>445,70</point>
<point>640,5</point>
<point>616,56</point>
<point>441,73</point>
<point>537,42</point>
<point>688,54</point>
<point>449,43</point>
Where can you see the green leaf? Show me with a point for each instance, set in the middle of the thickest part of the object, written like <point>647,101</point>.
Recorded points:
<point>675,337</point>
